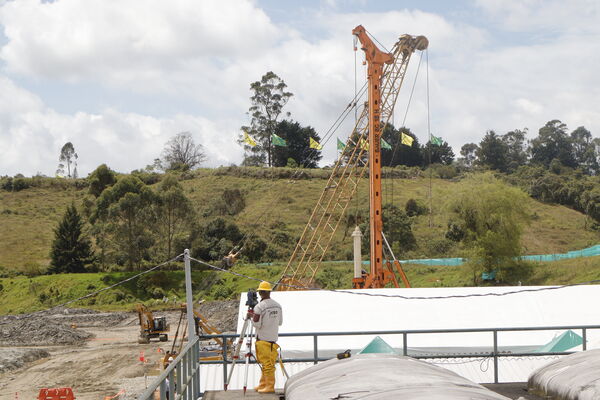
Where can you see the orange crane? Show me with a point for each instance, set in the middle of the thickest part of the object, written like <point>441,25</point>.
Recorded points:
<point>386,73</point>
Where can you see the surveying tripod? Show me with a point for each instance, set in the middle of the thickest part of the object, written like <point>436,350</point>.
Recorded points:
<point>246,333</point>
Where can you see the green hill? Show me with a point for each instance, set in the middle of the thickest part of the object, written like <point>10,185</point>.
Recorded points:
<point>276,209</point>
<point>278,204</point>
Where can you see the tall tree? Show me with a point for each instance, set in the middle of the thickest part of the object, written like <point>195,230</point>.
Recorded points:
<point>553,142</point>
<point>468,152</point>
<point>71,249</point>
<point>181,153</point>
<point>492,152</point>
<point>516,150</point>
<point>584,150</point>
<point>101,178</point>
<point>298,147</point>
<point>67,158</point>
<point>491,215</point>
<point>125,209</point>
<point>400,154</point>
<point>440,154</point>
<point>174,212</point>
<point>268,100</point>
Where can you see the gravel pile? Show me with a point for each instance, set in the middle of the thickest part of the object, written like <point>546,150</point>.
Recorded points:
<point>222,314</point>
<point>85,317</point>
<point>11,359</point>
<point>39,331</point>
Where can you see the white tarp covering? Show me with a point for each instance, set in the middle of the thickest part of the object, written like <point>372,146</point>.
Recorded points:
<point>576,376</point>
<point>326,311</point>
<point>382,376</point>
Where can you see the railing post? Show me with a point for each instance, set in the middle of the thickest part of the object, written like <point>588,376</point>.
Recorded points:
<point>179,377</point>
<point>315,349</point>
<point>197,373</point>
<point>584,337</point>
<point>495,356</point>
<point>190,362</point>
<point>224,359</point>
<point>404,344</point>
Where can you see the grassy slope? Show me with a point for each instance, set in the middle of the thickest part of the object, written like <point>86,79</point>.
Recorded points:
<point>27,218</point>
<point>23,294</point>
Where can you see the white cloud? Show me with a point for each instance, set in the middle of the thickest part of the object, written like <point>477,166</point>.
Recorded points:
<point>205,54</point>
<point>125,42</point>
<point>549,15</point>
<point>31,136</point>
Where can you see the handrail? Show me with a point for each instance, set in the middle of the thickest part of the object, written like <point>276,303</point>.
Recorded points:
<point>495,353</point>
<point>183,375</point>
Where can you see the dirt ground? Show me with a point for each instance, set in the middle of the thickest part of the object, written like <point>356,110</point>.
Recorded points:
<point>96,354</point>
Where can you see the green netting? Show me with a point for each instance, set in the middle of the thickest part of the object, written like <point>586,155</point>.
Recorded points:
<point>454,262</point>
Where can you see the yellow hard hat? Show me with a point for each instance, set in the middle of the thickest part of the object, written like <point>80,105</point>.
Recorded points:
<point>264,285</point>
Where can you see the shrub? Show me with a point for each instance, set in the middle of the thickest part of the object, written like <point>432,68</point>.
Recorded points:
<point>220,292</point>
<point>32,269</point>
<point>414,208</point>
<point>439,247</point>
<point>20,184</point>
<point>455,232</point>
<point>233,201</point>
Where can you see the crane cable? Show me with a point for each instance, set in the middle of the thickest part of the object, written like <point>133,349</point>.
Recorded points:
<point>430,144</point>
<point>398,143</point>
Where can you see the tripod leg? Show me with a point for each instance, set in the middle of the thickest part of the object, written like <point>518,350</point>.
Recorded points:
<point>248,355</point>
<point>236,353</point>
<point>281,364</point>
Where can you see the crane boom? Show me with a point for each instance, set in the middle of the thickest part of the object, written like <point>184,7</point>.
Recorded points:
<point>385,79</point>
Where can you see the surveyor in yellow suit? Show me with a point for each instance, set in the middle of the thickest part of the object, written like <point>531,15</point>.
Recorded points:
<point>266,318</point>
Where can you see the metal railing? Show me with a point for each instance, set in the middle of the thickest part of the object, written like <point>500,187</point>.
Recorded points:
<point>494,354</point>
<point>181,379</point>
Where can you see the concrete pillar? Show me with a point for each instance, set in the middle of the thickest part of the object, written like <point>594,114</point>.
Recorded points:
<point>357,235</point>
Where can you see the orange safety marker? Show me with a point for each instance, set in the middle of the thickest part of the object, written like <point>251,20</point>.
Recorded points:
<point>122,391</point>
<point>56,394</point>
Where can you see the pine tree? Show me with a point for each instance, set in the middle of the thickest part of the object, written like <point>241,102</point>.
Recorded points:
<point>71,250</point>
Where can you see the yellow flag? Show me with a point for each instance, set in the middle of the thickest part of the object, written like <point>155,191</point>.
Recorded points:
<point>363,144</point>
<point>407,140</point>
<point>248,140</point>
<point>315,145</point>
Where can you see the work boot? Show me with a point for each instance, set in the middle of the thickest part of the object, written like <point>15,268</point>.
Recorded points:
<point>261,383</point>
<point>269,385</point>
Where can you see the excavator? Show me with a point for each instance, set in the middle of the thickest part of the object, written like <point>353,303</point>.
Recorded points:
<point>151,327</point>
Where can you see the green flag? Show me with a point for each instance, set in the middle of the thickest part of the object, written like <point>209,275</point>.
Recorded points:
<point>436,140</point>
<point>277,141</point>
<point>385,145</point>
<point>340,145</point>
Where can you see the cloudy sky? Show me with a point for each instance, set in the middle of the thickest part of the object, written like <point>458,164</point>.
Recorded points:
<point>119,78</point>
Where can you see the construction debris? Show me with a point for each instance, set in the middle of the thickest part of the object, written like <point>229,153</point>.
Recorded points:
<point>39,331</point>
<point>11,358</point>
